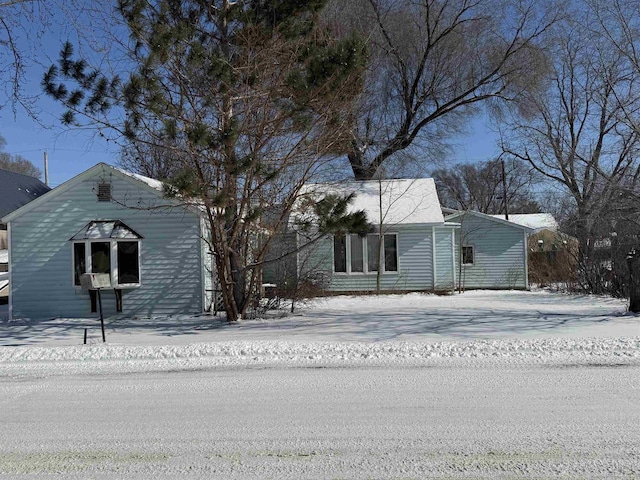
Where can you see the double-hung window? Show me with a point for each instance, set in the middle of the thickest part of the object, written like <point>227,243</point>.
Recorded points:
<point>108,247</point>
<point>467,255</point>
<point>362,254</point>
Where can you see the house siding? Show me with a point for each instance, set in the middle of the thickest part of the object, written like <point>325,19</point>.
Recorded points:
<point>280,266</point>
<point>314,262</point>
<point>444,259</point>
<point>499,254</point>
<point>415,264</point>
<point>170,253</point>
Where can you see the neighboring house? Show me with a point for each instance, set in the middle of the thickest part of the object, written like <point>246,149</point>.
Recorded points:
<point>418,251</point>
<point>112,222</point>
<point>16,190</point>
<point>553,254</point>
<point>421,249</point>
<point>493,250</point>
<point>544,236</point>
<point>535,221</point>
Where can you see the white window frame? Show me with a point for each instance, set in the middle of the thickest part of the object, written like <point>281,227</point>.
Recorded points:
<point>113,258</point>
<point>365,256</point>
<point>473,255</point>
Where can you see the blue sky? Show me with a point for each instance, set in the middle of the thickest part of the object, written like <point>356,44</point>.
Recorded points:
<point>71,151</point>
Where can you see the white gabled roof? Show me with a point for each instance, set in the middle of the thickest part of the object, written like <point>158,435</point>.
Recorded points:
<point>451,214</point>
<point>404,201</point>
<point>536,221</point>
<point>145,182</point>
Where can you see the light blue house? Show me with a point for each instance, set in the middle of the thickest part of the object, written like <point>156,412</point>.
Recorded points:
<point>111,222</point>
<point>420,251</point>
<point>493,251</point>
<point>412,246</point>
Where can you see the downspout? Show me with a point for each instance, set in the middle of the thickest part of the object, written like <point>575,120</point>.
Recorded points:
<point>504,191</point>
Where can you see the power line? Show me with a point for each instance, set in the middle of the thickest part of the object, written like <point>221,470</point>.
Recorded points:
<point>53,150</point>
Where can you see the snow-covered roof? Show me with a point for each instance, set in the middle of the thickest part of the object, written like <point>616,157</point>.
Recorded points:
<point>152,182</point>
<point>106,229</point>
<point>404,201</point>
<point>457,215</point>
<point>4,256</point>
<point>536,221</point>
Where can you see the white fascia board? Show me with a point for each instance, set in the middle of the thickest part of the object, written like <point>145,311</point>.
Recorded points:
<point>493,219</point>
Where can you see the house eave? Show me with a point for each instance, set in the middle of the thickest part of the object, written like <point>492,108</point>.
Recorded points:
<point>459,213</point>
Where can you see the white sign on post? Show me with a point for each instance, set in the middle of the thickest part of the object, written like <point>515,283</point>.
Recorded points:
<point>95,281</point>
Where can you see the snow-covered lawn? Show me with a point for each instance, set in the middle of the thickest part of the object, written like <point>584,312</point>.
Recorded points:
<point>517,326</point>
<point>413,317</point>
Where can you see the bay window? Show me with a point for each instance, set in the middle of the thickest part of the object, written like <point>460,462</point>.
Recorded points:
<point>79,261</point>
<point>128,262</point>
<point>100,257</point>
<point>107,247</point>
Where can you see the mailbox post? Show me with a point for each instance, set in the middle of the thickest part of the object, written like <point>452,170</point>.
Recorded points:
<point>97,281</point>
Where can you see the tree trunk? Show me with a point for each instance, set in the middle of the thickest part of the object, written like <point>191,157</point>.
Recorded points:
<point>380,238</point>
<point>633,262</point>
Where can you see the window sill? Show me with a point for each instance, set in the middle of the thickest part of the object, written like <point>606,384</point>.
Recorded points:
<point>126,286</point>
<point>363,274</point>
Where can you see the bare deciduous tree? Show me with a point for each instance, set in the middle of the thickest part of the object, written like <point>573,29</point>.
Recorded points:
<point>480,187</point>
<point>17,163</point>
<point>576,131</point>
<point>432,64</point>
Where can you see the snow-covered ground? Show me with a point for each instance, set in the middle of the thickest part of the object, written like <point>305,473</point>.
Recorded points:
<point>478,385</point>
<point>514,326</point>
<point>414,317</point>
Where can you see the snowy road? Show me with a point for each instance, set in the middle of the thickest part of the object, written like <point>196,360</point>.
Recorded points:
<point>480,420</point>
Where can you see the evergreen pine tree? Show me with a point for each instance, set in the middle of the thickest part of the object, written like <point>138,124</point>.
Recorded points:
<point>248,96</point>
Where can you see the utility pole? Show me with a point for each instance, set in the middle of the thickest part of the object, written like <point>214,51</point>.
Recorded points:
<point>504,191</point>
<point>46,169</point>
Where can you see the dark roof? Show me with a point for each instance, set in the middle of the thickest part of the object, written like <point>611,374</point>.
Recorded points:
<point>17,190</point>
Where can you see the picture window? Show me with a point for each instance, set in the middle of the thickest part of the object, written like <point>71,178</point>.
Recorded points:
<point>361,254</point>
